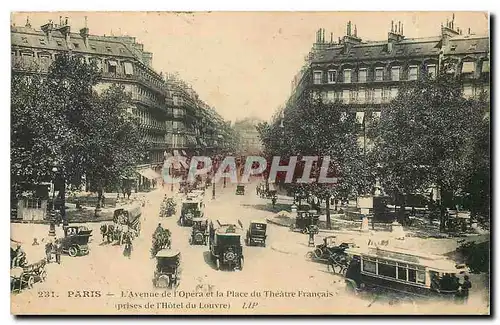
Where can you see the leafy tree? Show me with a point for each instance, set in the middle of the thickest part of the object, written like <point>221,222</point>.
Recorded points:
<point>60,119</point>
<point>316,128</point>
<point>424,139</point>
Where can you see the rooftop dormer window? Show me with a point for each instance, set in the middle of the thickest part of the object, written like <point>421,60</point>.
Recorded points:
<point>42,41</point>
<point>453,48</point>
<point>108,49</point>
<point>59,43</point>
<point>93,47</point>
<point>76,45</point>
<point>472,47</point>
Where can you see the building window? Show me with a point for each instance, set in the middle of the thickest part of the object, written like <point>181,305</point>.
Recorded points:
<point>394,93</point>
<point>318,76</point>
<point>59,43</point>
<point>468,91</point>
<point>331,96</point>
<point>76,45</point>
<point>332,76</point>
<point>347,76</point>
<point>413,72</point>
<point>376,115</point>
<point>361,96</point>
<point>345,96</point>
<point>377,96</point>
<point>395,73</point>
<point>42,41</point>
<point>129,68</point>
<point>486,67</point>
<point>92,46</point>
<point>379,74</point>
<point>362,75</point>
<point>468,69</point>
<point>431,71</point>
<point>112,66</point>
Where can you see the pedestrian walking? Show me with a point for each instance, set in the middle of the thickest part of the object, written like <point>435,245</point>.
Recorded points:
<point>58,251</point>
<point>273,201</point>
<point>35,242</point>
<point>127,251</point>
<point>48,251</point>
<point>465,286</point>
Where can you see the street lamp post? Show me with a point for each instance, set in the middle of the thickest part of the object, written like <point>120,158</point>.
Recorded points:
<point>52,220</point>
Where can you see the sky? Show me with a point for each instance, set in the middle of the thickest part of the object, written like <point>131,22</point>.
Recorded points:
<point>242,63</point>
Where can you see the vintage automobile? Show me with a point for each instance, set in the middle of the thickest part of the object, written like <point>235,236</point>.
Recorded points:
<point>129,217</point>
<point>199,231</point>
<point>192,207</point>
<point>76,240</point>
<point>304,220</point>
<point>332,254</point>
<point>400,270</point>
<point>256,233</point>
<point>225,246</point>
<point>240,189</point>
<point>168,270</point>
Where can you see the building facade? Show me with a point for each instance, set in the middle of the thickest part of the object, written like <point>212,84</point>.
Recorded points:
<point>367,75</point>
<point>169,110</point>
<point>248,136</point>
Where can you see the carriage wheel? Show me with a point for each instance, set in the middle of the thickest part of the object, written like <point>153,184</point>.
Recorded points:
<point>30,282</point>
<point>43,276</point>
<point>317,253</point>
<point>343,271</point>
<point>73,251</point>
<point>310,255</point>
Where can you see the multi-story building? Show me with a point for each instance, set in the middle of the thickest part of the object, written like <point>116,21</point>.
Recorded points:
<point>248,136</point>
<point>367,75</point>
<point>168,108</point>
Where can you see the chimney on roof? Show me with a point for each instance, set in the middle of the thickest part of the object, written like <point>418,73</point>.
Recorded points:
<point>48,29</point>
<point>84,33</point>
<point>331,38</point>
<point>147,58</point>
<point>395,35</point>
<point>448,32</point>
<point>28,25</point>
<point>351,39</point>
<point>65,29</point>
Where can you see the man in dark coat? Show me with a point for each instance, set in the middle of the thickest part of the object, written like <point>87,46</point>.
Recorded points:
<point>48,251</point>
<point>465,286</point>
<point>58,250</point>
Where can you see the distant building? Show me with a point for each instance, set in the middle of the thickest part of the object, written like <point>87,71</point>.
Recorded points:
<point>249,137</point>
<point>367,75</point>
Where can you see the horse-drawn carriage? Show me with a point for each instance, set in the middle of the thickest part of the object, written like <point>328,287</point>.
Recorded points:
<point>161,240</point>
<point>27,275</point>
<point>76,240</point>
<point>168,207</point>
<point>126,222</point>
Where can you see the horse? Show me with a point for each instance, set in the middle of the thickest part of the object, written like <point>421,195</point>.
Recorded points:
<point>107,232</point>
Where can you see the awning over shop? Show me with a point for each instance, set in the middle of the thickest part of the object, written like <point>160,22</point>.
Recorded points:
<point>468,67</point>
<point>486,66</point>
<point>129,68</point>
<point>148,173</point>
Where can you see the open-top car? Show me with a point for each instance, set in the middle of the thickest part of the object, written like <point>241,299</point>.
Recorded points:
<point>256,233</point>
<point>199,232</point>
<point>240,189</point>
<point>192,207</point>
<point>76,240</point>
<point>168,270</point>
<point>225,246</point>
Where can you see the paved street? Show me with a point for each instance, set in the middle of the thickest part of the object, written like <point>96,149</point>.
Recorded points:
<point>280,266</point>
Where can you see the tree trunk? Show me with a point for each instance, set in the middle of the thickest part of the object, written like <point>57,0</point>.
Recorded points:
<point>99,198</point>
<point>328,217</point>
<point>63,203</point>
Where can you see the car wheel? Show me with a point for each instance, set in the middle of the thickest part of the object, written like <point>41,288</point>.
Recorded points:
<point>217,264</point>
<point>182,221</point>
<point>43,276</point>
<point>349,288</point>
<point>309,255</point>
<point>30,282</point>
<point>317,253</point>
<point>241,263</point>
<point>73,251</point>
<point>163,282</point>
